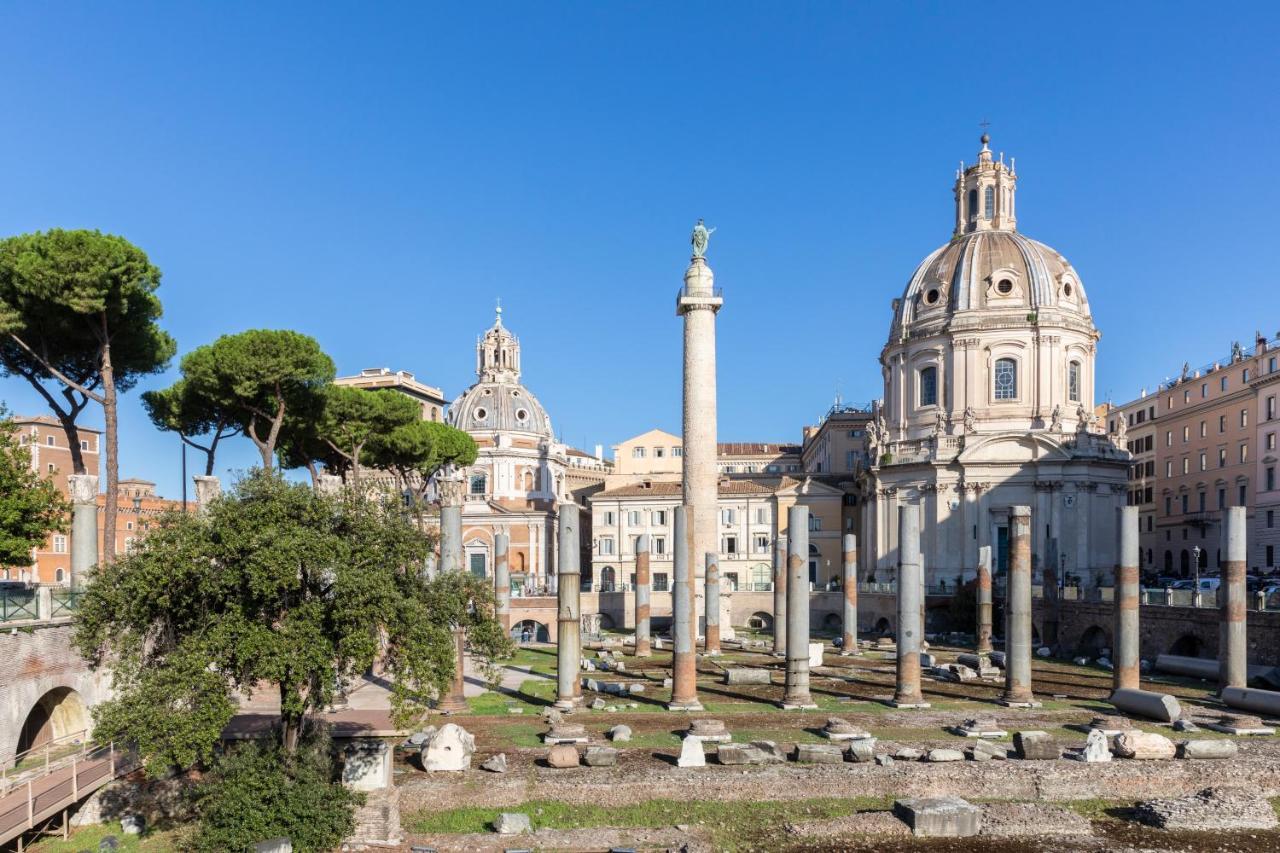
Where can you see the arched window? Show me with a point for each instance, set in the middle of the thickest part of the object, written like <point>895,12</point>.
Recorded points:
<point>762,577</point>
<point>973,204</point>
<point>1005,383</point>
<point>929,386</point>
<point>1073,381</point>
<point>989,203</point>
<point>478,484</point>
<point>58,575</point>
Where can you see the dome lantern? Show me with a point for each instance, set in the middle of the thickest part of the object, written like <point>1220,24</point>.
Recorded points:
<point>985,194</point>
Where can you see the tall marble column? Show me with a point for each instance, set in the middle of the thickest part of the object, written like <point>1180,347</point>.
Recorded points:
<point>1017,665</point>
<point>796,694</point>
<point>684,666</point>
<point>1127,673</point>
<point>1233,650</point>
<point>984,601</point>
<point>907,692</point>
<point>84,527</point>
<point>711,643</point>
<point>569,620</point>
<point>780,596</point>
<point>451,497</point>
<point>502,579</point>
<point>849,580</point>
<point>643,585</point>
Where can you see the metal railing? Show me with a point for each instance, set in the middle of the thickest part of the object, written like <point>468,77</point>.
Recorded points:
<point>31,795</point>
<point>18,604</point>
<point>64,602</point>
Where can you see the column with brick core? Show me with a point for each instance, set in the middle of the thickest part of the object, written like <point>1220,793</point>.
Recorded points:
<point>1127,674</point>
<point>569,618</point>
<point>84,527</point>
<point>684,667</point>
<point>643,582</point>
<point>1233,650</point>
<point>502,579</point>
<point>711,643</point>
<point>780,596</point>
<point>796,693</point>
<point>849,579</point>
<point>1017,605</point>
<point>910,603</point>
<point>984,600</point>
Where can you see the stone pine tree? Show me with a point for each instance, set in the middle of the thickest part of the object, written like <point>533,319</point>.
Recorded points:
<point>414,453</point>
<point>256,378</point>
<point>279,585</point>
<point>352,417</point>
<point>78,321</point>
<point>30,506</point>
<point>182,409</point>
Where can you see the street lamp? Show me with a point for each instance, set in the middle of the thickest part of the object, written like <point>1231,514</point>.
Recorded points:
<point>1195,554</point>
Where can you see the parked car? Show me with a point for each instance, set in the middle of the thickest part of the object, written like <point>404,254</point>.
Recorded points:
<point>1210,584</point>
<point>1183,584</point>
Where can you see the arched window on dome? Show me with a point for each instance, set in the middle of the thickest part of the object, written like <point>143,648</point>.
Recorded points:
<point>1005,379</point>
<point>1073,381</point>
<point>929,386</point>
<point>973,205</point>
<point>989,203</point>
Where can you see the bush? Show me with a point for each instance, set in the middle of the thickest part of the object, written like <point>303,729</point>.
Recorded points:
<point>256,790</point>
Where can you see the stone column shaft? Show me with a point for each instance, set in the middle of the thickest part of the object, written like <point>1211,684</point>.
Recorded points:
<point>1017,671</point>
<point>207,488</point>
<point>569,599</point>
<point>910,603</point>
<point>502,578</point>
<point>84,527</point>
<point>684,666</point>
<point>712,641</point>
<point>849,579</point>
<point>796,694</point>
<point>1127,673</point>
<point>450,538</point>
<point>644,646</point>
<point>1233,652</point>
<point>780,595</point>
<point>984,600</point>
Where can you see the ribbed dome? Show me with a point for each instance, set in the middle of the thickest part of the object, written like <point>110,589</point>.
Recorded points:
<point>988,270</point>
<point>500,407</point>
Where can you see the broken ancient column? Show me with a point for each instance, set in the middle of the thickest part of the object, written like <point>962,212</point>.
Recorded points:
<point>1127,673</point>
<point>849,579</point>
<point>451,498</point>
<point>910,603</point>
<point>1017,605</point>
<point>1232,647</point>
<point>780,595</point>
<point>984,602</point>
<point>208,488</point>
<point>569,623</point>
<point>1049,586</point>
<point>84,527</point>
<point>711,643</point>
<point>502,579</point>
<point>796,694</point>
<point>643,645</point>
<point>684,667</point>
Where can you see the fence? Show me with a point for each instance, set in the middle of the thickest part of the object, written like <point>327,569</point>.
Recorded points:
<point>18,604</point>
<point>29,604</point>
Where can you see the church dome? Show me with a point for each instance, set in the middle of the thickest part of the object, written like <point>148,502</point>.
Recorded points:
<point>989,270</point>
<point>498,402</point>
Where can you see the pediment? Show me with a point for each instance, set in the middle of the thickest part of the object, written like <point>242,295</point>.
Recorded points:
<point>1013,447</point>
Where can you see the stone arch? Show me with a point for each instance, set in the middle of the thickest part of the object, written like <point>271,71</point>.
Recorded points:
<point>833,622</point>
<point>58,714</point>
<point>883,626</point>
<point>760,621</point>
<point>530,631</point>
<point>1188,645</point>
<point>1093,641</point>
<point>606,622</point>
<point>937,619</point>
<point>608,579</point>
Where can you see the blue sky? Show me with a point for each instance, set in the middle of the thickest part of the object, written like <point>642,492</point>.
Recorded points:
<point>376,174</point>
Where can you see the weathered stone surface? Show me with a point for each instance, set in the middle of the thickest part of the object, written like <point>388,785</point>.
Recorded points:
<point>1035,820</point>
<point>512,823</point>
<point>770,749</point>
<point>563,755</point>
<point>274,845</point>
<point>907,753</point>
<point>496,764</point>
<point>927,660</point>
<point>1213,809</point>
<point>620,733</point>
<point>1185,726</point>
<point>1097,748</point>
<point>600,756</point>
<point>419,738</point>
<point>449,748</point>
<point>562,732</point>
<point>1207,749</point>
<point>132,824</point>
<point>713,730</point>
<point>747,675</point>
<point>980,727</point>
<point>1036,746</point>
<point>862,750</point>
<point>1111,723</point>
<point>1241,721</point>
<point>819,753</point>
<point>838,729</point>
<point>815,654</point>
<point>1144,746</point>
<point>691,753</point>
<point>939,817</point>
<point>598,704</point>
<point>985,750</point>
<point>941,755</point>
<point>884,760</point>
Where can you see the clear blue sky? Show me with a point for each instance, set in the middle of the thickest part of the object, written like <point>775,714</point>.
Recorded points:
<point>376,174</point>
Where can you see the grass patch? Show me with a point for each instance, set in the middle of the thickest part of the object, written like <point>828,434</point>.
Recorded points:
<point>88,837</point>
<point>1097,809</point>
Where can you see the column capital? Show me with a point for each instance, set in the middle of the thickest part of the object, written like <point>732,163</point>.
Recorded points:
<point>83,488</point>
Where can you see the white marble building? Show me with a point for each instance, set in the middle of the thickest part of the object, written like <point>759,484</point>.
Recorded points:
<point>989,401</point>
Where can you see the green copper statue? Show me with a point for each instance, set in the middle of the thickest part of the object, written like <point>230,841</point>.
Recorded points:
<point>700,237</point>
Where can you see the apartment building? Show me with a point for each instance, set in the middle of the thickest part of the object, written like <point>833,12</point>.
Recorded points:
<point>1136,420</point>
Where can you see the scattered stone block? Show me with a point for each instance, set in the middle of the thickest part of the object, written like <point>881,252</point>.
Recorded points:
<point>1241,724</point>
<point>744,753</point>
<point>132,824</point>
<point>884,760</point>
<point>1185,726</point>
<point>1144,746</point>
<point>1110,725</point>
<point>449,749</point>
<point>1044,651</point>
<point>274,845</point>
<point>747,675</point>
<point>1096,748</point>
<point>1080,661</point>
<point>1036,746</point>
<point>635,687</point>
<point>987,751</point>
<point>563,732</point>
<point>419,738</point>
<point>980,664</point>
<point>598,704</point>
<point>815,654</point>
<point>906,753</point>
<point>512,823</point>
<point>939,817</point>
<point>562,756</point>
<point>1211,810</point>
<point>862,750</point>
<point>666,682</point>
<point>938,756</point>
<point>691,753</point>
<point>712,730</point>
<point>109,842</point>
<point>600,756</point>
<point>515,710</point>
<point>769,748</point>
<point>620,733</point>
<point>927,660</point>
<point>838,729</point>
<point>1207,749</point>
<point>979,727</point>
<point>496,764</point>
<point>819,753</point>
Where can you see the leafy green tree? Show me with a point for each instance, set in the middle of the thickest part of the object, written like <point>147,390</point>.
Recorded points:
<point>256,377</point>
<point>353,416</point>
<point>30,506</point>
<point>78,313</point>
<point>414,453</point>
<point>181,408</point>
<point>275,584</point>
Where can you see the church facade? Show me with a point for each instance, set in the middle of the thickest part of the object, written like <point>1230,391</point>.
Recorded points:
<point>989,403</point>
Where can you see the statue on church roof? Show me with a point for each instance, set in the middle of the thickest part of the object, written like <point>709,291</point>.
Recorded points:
<point>1055,419</point>
<point>701,236</point>
<point>1186,371</point>
<point>970,420</point>
<point>1237,353</point>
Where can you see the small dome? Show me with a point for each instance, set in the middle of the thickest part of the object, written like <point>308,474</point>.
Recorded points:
<point>988,270</point>
<point>499,407</point>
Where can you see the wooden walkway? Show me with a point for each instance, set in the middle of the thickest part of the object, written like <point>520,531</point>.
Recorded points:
<point>44,793</point>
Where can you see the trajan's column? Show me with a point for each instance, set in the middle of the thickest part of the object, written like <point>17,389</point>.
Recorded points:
<point>698,302</point>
